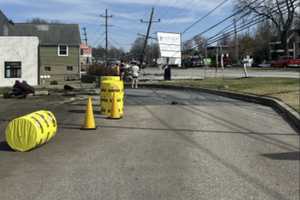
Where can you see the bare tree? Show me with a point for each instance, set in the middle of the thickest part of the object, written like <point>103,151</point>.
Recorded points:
<point>280,12</point>
<point>200,43</point>
<point>43,21</point>
<point>187,45</point>
<point>38,21</point>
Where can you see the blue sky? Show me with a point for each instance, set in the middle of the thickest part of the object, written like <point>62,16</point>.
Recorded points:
<point>175,16</point>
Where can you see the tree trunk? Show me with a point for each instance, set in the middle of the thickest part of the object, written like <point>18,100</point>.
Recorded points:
<point>284,42</point>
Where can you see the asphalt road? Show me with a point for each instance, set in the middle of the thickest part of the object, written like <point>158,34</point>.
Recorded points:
<point>199,73</point>
<point>170,145</point>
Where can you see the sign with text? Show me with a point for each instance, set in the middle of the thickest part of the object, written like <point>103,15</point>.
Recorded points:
<point>169,44</point>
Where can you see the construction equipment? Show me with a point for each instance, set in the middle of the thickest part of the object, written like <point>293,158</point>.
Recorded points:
<point>20,90</point>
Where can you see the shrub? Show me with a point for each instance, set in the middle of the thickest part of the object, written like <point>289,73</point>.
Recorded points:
<point>99,70</point>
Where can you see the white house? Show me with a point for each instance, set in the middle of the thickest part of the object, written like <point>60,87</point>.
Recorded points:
<point>18,60</point>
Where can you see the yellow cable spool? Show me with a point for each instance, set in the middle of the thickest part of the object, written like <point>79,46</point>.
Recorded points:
<point>31,131</point>
<point>108,87</point>
<point>110,78</point>
<point>48,119</point>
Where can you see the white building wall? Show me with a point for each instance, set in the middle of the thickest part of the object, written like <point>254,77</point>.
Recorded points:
<point>19,49</point>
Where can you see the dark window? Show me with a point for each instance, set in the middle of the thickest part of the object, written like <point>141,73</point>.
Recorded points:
<point>63,50</point>
<point>12,70</point>
<point>47,68</point>
<point>81,51</point>
<point>69,68</point>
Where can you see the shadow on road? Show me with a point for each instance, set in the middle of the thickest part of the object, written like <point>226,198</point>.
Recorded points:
<point>83,112</point>
<point>283,156</point>
<point>4,147</point>
<point>195,130</point>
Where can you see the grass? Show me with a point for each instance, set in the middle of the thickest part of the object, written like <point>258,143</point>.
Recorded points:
<point>4,90</point>
<point>284,89</point>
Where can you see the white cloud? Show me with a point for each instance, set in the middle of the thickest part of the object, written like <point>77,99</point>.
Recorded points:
<point>178,20</point>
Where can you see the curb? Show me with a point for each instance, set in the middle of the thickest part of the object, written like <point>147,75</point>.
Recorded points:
<point>290,115</point>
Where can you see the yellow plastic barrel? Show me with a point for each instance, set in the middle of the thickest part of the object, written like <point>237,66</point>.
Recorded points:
<point>30,131</point>
<point>110,85</point>
<point>110,78</point>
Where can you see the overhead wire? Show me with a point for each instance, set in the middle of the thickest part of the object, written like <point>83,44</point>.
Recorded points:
<point>239,29</point>
<point>205,16</point>
<point>226,18</point>
<point>254,21</point>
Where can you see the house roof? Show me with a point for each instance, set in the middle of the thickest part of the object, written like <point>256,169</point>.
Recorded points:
<point>49,34</point>
<point>3,17</point>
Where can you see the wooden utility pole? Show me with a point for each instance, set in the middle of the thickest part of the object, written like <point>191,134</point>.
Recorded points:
<point>236,46</point>
<point>106,16</point>
<point>147,35</point>
<point>85,35</point>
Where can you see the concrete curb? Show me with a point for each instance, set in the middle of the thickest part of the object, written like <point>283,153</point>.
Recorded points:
<point>290,115</point>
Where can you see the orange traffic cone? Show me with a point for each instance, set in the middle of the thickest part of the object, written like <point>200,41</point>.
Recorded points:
<point>89,123</point>
<point>115,113</point>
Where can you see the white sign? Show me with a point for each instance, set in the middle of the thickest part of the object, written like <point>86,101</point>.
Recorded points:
<point>169,44</point>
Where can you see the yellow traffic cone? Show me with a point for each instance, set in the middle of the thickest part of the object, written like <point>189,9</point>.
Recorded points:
<point>89,123</point>
<point>115,113</point>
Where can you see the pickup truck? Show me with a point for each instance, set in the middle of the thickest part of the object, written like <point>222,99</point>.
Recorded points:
<point>286,62</point>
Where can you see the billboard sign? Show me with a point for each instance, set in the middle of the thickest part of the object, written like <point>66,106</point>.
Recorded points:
<point>169,44</point>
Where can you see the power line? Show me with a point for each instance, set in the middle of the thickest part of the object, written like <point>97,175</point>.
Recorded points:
<point>234,22</point>
<point>225,19</point>
<point>206,15</point>
<point>255,21</point>
<point>118,43</point>
<point>257,18</point>
<point>242,28</point>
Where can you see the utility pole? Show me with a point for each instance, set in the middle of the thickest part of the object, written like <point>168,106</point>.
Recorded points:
<point>147,34</point>
<point>217,60</point>
<point>206,62</point>
<point>106,16</point>
<point>236,43</point>
<point>85,35</point>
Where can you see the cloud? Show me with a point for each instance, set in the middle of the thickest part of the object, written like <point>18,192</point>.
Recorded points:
<point>187,5</point>
<point>178,20</point>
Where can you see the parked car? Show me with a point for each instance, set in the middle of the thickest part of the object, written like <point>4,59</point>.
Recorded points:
<point>286,62</point>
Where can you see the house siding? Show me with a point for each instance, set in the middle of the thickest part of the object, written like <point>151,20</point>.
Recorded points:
<point>23,50</point>
<point>58,64</point>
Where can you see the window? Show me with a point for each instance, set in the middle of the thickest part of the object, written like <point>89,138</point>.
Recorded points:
<point>69,68</point>
<point>47,68</point>
<point>62,50</point>
<point>12,70</point>
<point>81,52</point>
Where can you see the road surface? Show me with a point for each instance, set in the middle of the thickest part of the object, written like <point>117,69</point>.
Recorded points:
<point>170,145</point>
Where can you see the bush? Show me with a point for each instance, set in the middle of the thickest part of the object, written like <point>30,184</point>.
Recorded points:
<point>99,70</point>
<point>6,95</point>
<point>53,83</point>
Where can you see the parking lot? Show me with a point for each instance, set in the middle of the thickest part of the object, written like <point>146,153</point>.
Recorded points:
<point>170,145</point>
